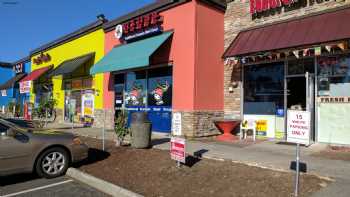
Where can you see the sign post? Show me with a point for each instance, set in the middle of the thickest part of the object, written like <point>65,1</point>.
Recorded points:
<point>177,144</point>
<point>298,131</point>
<point>178,150</point>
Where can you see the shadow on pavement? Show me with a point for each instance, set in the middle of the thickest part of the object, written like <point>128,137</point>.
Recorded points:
<point>200,153</point>
<point>160,141</point>
<point>18,178</point>
<point>95,155</point>
<point>191,160</point>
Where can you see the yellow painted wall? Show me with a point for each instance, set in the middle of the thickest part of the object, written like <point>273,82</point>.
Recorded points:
<point>92,42</point>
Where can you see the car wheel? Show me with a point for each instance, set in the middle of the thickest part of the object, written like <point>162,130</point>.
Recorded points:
<point>52,163</point>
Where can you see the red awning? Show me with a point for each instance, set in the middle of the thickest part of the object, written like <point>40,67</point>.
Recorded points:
<point>316,29</point>
<point>35,74</point>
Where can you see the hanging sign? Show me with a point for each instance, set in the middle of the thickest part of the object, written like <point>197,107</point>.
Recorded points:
<point>3,92</point>
<point>24,87</point>
<point>18,68</point>
<point>139,27</point>
<point>88,104</point>
<point>298,127</point>
<point>176,124</point>
<point>178,149</point>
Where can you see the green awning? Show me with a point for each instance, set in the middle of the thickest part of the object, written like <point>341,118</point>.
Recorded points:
<point>133,55</point>
<point>69,66</point>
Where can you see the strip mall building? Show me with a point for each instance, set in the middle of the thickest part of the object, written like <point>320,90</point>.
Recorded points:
<point>283,55</point>
<point>164,58</point>
<point>60,70</point>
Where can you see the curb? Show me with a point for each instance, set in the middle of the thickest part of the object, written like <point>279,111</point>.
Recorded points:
<point>100,184</point>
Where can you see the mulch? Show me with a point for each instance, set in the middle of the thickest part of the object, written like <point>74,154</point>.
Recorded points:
<point>151,172</point>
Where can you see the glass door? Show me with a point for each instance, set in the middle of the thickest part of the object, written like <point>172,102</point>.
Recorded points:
<point>300,95</point>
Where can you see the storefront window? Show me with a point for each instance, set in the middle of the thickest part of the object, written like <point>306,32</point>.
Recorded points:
<point>160,87</point>
<point>301,66</point>
<point>334,75</point>
<point>263,88</point>
<point>136,89</point>
<point>119,91</point>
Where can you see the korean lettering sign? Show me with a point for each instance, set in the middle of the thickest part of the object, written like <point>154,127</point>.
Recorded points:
<point>257,6</point>
<point>298,127</point>
<point>139,26</point>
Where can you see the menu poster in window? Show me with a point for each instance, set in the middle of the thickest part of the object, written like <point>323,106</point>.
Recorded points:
<point>135,96</point>
<point>160,93</point>
<point>261,127</point>
<point>88,104</point>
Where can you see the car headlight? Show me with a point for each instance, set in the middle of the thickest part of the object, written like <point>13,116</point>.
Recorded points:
<point>77,141</point>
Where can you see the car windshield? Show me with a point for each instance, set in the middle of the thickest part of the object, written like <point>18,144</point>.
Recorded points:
<point>13,125</point>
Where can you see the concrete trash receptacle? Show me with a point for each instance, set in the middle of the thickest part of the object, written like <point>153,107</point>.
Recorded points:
<point>140,130</point>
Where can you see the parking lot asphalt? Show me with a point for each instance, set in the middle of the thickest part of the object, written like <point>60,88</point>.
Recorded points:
<point>29,185</point>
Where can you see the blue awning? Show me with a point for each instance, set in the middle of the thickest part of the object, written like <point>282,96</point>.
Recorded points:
<point>133,55</point>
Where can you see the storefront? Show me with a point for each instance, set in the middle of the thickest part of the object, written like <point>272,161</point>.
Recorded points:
<point>302,63</point>
<point>61,72</point>
<point>160,58</point>
<point>21,98</point>
<point>7,81</point>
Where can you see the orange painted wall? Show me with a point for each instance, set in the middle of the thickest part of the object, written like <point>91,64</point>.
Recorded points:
<point>209,66</point>
<point>181,19</point>
<point>108,83</point>
<point>196,55</point>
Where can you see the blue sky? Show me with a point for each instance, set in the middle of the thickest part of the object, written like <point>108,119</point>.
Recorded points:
<point>28,24</point>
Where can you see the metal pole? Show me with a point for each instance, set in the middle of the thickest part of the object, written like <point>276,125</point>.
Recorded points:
<point>73,120</point>
<point>296,189</point>
<point>178,164</point>
<point>45,117</point>
<point>103,129</point>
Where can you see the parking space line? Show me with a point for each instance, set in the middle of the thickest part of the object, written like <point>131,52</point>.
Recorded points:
<point>37,188</point>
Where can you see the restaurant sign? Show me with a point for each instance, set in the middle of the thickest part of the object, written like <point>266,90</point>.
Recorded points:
<point>42,58</point>
<point>141,26</point>
<point>24,87</point>
<point>18,68</point>
<point>257,6</point>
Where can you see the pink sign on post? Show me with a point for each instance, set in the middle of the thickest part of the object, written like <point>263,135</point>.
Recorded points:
<point>178,149</point>
<point>298,127</point>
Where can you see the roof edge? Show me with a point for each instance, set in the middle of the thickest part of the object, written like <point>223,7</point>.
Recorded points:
<point>69,37</point>
<point>158,5</point>
<point>23,60</point>
<point>6,65</point>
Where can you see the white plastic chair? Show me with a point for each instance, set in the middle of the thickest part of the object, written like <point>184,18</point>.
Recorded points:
<point>247,125</point>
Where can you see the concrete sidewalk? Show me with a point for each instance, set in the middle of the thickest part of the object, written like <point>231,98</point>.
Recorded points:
<point>266,154</point>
